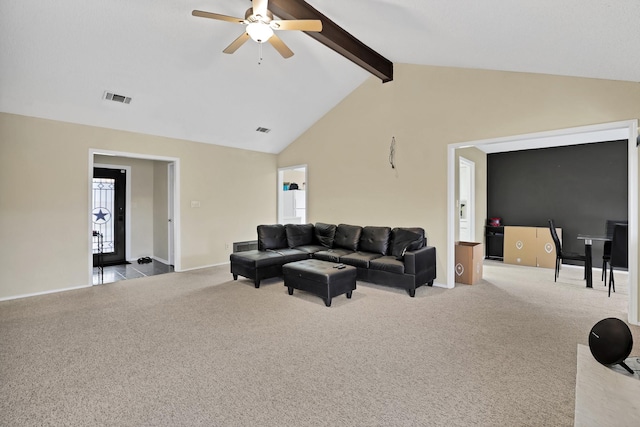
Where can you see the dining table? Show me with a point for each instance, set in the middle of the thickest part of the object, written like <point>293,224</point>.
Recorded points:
<point>588,243</point>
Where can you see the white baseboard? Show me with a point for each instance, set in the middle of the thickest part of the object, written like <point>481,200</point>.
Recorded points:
<point>441,285</point>
<point>164,261</point>
<point>53,291</point>
<point>203,266</point>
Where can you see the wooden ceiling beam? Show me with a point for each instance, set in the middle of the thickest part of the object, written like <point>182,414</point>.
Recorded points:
<point>335,37</point>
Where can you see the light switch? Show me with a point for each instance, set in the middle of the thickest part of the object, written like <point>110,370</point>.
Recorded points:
<point>195,203</point>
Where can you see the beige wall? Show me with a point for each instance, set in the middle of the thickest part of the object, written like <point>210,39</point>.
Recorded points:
<point>44,193</point>
<point>427,108</point>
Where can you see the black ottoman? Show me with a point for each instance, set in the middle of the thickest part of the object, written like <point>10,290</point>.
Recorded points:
<point>321,278</point>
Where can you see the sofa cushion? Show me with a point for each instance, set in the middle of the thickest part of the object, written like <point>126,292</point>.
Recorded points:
<point>375,240</point>
<point>291,255</point>
<point>310,249</point>
<point>387,263</point>
<point>325,234</point>
<point>272,237</point>
<point>359,259</point>
<point>347,236</point>
<point>332,255</point>
<point>256,258</point>
<point>299,234</point>
<point>405,239</point>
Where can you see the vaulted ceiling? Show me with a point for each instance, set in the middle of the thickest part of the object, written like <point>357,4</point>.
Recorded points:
<point>58,58</point>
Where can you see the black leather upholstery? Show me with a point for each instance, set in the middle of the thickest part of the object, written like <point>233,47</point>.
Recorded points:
<point>272,237</point>
<point>387,263</point>
<point>256,258</point>
<point>332,255</point>
<point>366,249</point>
<point>325,233</point>
<point>299,234</point>
<point>320,278</point>
<point>374,240</point>
<point>405,239</point>
<point>319,271</point>
<point>291,255</point>
<point>359,259</point>
<point>310,249</point>
<point>347,237</point>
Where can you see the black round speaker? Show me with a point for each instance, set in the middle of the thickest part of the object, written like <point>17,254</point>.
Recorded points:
<point>610,341</point>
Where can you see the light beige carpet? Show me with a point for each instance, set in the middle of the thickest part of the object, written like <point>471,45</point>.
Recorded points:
<point>197,348</point>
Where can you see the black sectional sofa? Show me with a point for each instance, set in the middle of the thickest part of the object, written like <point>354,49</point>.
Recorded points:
<point>397,257</point>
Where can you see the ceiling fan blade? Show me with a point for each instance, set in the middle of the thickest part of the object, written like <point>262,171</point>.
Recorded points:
<point>297,24</point>
<point>259,7</point>
<point>280,46</point>
<point>217,16</point>
<point>237,43</point>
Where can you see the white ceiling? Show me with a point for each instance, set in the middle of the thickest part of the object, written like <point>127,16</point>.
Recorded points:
<point>58,57</point>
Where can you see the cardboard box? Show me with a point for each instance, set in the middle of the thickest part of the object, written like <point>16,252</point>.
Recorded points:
<point>545,248</point>
<point>532,246</point>
<point>520,245</point>
<point>469,258</point>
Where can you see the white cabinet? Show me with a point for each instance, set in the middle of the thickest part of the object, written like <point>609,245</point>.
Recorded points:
<point>293,206</point>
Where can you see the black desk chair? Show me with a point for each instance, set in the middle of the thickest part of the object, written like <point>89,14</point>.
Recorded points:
<point>606,253</point>
<point>562,255</point>
<point>619,252</point>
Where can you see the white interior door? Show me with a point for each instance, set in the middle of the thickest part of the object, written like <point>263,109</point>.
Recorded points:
<point>171,205</point>
<point>466,200</point>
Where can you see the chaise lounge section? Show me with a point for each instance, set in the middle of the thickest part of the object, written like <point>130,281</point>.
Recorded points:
<point>397,257</point>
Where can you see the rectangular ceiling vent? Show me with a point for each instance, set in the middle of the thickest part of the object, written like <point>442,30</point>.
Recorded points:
<point>110,96</point>
<point>263,130</point>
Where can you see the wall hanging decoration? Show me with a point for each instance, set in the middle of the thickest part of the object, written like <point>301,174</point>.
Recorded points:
<point>392,153</point>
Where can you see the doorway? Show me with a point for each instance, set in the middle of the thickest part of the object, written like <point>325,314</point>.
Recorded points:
<point>151,217</point>
<point>108,201</point>
<point>627,130</point>
<point>292,195</point>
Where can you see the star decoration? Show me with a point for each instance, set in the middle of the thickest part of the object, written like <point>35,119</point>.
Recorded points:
<point>101,215</point>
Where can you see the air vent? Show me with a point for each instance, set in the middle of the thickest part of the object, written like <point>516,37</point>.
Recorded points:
<point>110,96</point>
<point>263,130</point>
<point>245,246</point>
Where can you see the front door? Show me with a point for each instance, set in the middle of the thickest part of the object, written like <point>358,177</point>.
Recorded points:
<point>108,216</point>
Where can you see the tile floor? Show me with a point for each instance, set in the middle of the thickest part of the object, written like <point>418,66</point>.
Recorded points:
<point>115,273</point>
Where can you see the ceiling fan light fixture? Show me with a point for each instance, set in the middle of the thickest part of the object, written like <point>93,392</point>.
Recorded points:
<point>259,31</point>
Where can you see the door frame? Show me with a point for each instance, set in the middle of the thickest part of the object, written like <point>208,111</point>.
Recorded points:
<point>127,206</point>
<point>176,200</point>
<point>280,191</point>
<point>628,128</point>
<point>171,183</point>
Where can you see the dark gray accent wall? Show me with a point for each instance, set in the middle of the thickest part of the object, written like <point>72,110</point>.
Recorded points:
<point>578,186</point>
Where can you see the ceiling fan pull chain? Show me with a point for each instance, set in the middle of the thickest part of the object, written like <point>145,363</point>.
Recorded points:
<point>259,53</point>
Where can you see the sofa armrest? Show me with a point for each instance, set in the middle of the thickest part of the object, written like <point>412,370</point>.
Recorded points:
<point>420,262</point>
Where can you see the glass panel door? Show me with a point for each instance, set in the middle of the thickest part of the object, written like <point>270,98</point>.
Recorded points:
<point>108,216</point>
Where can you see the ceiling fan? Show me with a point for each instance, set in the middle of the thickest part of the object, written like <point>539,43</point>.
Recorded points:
<point>260,25</point>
